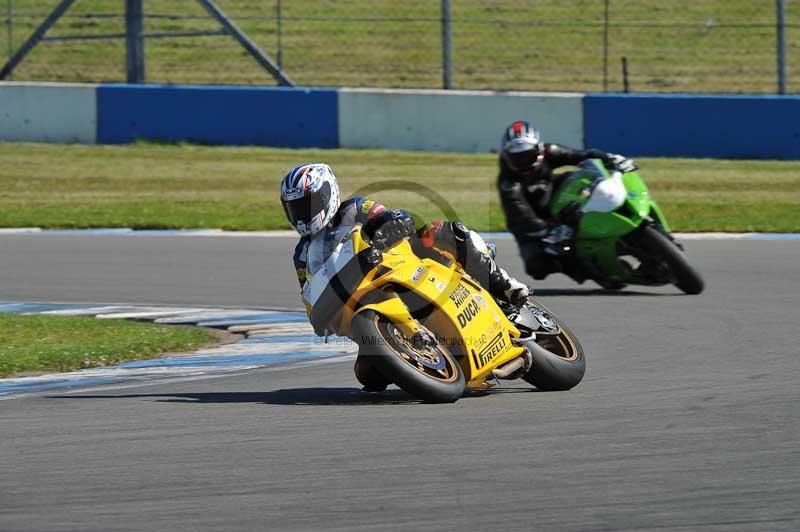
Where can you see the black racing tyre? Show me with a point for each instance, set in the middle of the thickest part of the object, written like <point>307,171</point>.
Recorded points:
<point>610,285</point>
<point>431,374</point>
<point>369,376</point>
<point>558,361</point>
<point>686,277</point>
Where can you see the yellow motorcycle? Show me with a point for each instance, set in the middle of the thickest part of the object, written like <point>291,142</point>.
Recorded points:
<point>431,329</point>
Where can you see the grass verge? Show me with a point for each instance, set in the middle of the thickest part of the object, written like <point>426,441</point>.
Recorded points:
<point>151,186</point>
<point>62,343</point>
<point>707,46</point>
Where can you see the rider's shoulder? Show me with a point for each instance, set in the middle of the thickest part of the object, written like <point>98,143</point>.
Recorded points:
<point>359,202</point>
<point>351,201</point>
<point>362,207</point>
<point>553,149</point>
<point>301,247</point>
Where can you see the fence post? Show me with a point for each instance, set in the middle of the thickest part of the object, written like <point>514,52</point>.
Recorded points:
<point>605,48</point>
<point>625,86</point>
<point>447,46</point>
<point>279,18</point>
<point>134,41</point>
<point>10,29</point>
<point>780,7</point>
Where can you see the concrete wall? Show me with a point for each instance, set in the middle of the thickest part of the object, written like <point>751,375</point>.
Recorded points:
<point>465,121</point>
<point>757,127</point>
<point>218,115</point>
<point>48,112</point>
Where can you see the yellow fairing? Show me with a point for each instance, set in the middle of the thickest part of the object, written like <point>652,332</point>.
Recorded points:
<point>464,315</point>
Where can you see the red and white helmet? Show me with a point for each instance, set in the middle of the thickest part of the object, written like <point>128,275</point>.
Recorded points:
<point>521,147</point>
<point>310,197</point>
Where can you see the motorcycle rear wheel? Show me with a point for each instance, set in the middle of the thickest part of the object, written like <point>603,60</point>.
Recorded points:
<point>404,364</point>
<point>687,278</point>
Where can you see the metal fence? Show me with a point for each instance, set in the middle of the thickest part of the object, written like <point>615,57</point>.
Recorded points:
<point>725,46</point>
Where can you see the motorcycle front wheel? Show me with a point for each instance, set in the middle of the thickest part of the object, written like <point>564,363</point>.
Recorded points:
<point>558,361</point>
<point>686,277</point>
<point>430,373</point>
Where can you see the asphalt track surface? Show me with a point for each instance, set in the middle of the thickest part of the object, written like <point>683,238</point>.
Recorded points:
<point>687,418</point>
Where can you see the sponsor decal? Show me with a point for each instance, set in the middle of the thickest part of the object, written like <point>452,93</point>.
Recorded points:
<point>487,354</point>
<point>437,283</point>
<point>481,341</point>
<point>459,295</point>
<point>418,274</point>
<point>470,311</point>
<point>366,206</point>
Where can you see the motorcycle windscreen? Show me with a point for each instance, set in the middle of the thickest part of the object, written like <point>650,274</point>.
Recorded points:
<point>608,195</point>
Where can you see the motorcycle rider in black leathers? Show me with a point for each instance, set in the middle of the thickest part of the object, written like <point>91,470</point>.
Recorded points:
<point>311,201</point>
<point>526,183</point>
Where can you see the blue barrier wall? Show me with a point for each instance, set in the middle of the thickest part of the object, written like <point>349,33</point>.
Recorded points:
<point>282,117</point>
<point>691,125</point>
<point>758,127</point>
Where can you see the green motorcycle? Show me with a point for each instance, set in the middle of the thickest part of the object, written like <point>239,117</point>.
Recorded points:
<point>622,236</point>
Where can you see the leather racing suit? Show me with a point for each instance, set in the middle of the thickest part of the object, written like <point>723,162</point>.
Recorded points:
<point>526,204</point>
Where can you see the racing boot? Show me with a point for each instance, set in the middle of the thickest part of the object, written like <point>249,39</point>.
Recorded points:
<point>507,289</point>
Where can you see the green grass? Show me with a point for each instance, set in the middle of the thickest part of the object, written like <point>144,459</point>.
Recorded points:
<point>187,186</point>
<point>708,46</point>
<point>61,343</point>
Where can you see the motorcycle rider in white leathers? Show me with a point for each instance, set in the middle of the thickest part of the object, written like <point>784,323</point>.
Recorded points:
<point>311,201</point>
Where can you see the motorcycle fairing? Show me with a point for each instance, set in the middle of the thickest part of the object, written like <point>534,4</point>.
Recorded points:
<point>613,206</point>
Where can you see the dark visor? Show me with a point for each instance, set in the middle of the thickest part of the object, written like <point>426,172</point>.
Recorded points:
<point>522,160</point>
<point>306,208</point>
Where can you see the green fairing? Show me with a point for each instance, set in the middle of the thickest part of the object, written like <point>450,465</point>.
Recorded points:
<point>570,191</point>
<point>598,233</point>
<point>612,224</point>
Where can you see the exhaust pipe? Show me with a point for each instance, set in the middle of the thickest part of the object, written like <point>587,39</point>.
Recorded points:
<point>511,370</point>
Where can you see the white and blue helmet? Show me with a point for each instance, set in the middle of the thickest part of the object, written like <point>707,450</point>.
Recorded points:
<point>310,197</point>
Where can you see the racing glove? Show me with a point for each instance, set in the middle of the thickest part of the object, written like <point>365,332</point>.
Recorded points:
<point>390,228</point>
<point>614,161</point>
